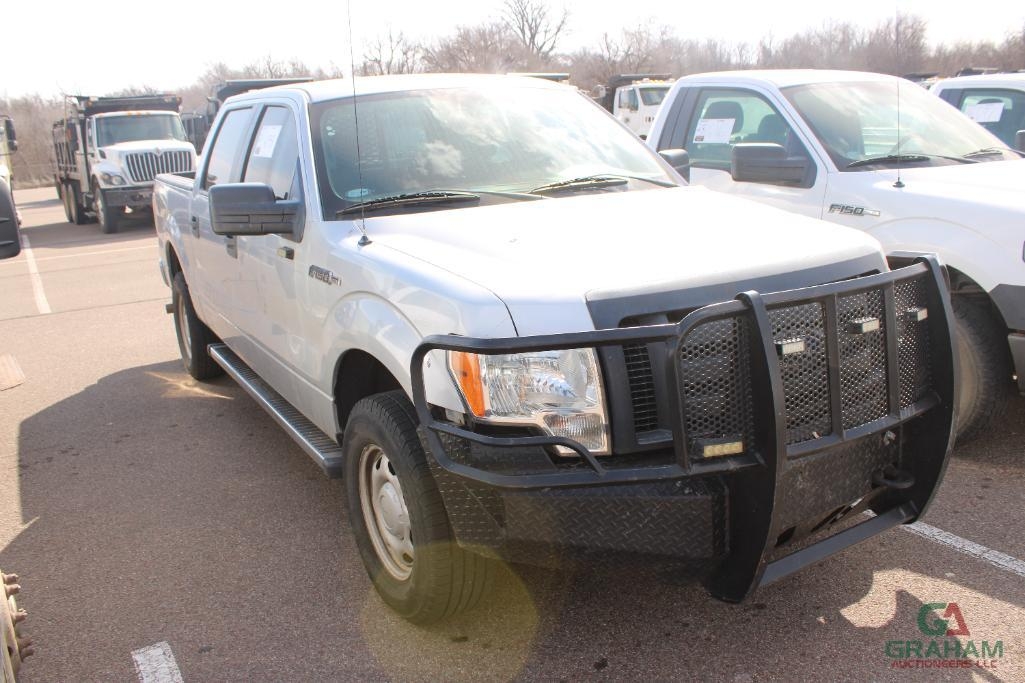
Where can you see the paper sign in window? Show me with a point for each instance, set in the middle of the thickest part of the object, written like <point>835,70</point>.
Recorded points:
<point>266,139</point>
<point>989,112</point>
<point>714,131</point>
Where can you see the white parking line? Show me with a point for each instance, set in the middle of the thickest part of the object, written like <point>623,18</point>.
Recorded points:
<point>33,273</point>
<point>963,545</point>
<point>155,664</point>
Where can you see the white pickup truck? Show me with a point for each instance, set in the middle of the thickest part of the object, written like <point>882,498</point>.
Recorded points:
<point>509,326</point>
<point>994,101</point>
<point>826,144</point>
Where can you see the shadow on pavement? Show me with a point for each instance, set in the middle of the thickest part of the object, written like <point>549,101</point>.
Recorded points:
<point>161,509</point>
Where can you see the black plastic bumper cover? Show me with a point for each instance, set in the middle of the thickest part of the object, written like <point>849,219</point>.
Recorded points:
<point>745,511</point>
<point>135,197</point>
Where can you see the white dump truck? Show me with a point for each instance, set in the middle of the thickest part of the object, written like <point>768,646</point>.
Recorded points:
<point>108,150</point>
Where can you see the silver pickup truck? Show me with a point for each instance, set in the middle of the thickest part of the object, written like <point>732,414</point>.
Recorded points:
<point>513,329</point>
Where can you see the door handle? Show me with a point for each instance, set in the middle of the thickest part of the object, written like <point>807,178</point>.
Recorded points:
<point>286,253</point>
<point>195,226</point>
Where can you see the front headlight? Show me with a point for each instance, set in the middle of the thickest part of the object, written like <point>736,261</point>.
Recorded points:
<point>112,179</point>
<point>558,391</point>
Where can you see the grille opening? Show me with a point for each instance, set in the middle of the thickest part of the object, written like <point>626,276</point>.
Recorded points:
<point>642,387</point>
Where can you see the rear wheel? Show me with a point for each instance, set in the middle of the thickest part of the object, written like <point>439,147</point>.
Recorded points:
<point>193,335</point>
<point>985,385</point>
<point>73,207</point>
<point>398,517</point>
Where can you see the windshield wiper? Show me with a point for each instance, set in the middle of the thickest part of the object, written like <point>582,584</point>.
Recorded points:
<point>989,151</point>
<point>598,180</point>
<point>408,199</point>
<point>889,159</point>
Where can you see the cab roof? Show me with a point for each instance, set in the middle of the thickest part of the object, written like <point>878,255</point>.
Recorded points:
<point>783,78</point>
<point>320,91</point>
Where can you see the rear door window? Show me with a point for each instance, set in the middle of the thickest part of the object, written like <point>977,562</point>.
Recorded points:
<point>225,162</point>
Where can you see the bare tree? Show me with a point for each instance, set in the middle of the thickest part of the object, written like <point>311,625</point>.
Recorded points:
<point>486,48</point>
<point>391,54</point>
<point>537,30</point>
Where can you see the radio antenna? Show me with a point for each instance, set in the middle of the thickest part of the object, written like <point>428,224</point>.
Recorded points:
<point>364,240</point>
<point>896,23</point>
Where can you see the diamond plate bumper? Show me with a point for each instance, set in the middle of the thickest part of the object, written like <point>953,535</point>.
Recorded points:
<point>877,438</point>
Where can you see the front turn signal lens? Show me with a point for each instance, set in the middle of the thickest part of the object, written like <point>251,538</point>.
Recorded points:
<point>466,369</point>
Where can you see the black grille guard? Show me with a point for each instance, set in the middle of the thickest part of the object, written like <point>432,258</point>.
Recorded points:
<point>756,500</point>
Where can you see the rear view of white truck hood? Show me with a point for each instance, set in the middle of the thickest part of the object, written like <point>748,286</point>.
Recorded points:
<point>543,258</point>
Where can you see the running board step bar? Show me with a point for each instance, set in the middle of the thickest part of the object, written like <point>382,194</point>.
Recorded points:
<point>318,445</point>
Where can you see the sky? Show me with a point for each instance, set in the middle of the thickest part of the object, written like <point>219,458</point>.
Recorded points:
<point>114,44</point>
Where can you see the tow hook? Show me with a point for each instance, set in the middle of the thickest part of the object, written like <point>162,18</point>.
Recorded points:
<point>169,307</point>
<point>892,478</point>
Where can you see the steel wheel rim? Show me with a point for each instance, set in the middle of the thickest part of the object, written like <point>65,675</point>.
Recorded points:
<point>385,514</point>
<point>186,331</point>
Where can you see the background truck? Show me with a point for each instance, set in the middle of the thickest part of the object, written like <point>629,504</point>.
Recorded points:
<point>455,318</point>
<point>994,101</point>
<point>197,124</point>
<point>827,144</point>
<point>634,99</point>
<point>108,150</point>
<point>8,146</point>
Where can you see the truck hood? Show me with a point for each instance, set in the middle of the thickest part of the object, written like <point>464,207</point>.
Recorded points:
<point>148,146</point>
<point>994,183</point>
<point>545,258</point>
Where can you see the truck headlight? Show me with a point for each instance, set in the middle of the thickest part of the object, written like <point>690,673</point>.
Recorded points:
<point>558,391</point>
<point>112,179</point>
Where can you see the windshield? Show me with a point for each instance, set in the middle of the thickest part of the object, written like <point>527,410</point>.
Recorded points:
<point>111,130</point>
<point>479,140</point>
<point>858,121</point>
<point>653,96</point>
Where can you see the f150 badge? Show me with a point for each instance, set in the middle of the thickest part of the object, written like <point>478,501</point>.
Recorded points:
<point>324,275</point>
<point>848,210</point>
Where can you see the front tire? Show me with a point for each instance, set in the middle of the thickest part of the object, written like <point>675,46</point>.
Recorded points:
<point>193,335</point>
<point>109,217</point>
<point>399,519</point>
<point>985,384</point>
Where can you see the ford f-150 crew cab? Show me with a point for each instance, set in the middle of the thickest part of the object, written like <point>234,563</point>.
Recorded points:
<point>827,144</point>
<point>515,333</point>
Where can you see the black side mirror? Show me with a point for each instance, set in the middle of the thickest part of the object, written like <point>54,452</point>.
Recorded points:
<point>1019,141</point>
<point>251,209</point>
<point>12,137</point>
<point>679,159</point>
<point>765,162</point>
<point>10,241</point>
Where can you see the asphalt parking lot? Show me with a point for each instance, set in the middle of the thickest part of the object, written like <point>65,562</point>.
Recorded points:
<point>140,507</point>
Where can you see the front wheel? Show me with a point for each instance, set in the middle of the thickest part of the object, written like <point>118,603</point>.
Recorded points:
<point>985,384</point>
<point>398,517</point>
<point>108,216</point>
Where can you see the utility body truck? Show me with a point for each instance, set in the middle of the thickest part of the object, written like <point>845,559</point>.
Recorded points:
<point>634,99</point>
<point>826,144</point>
<point>108,150</point>
<point>197,124</point>
<point>994,101</point>
<point>517,334</point>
